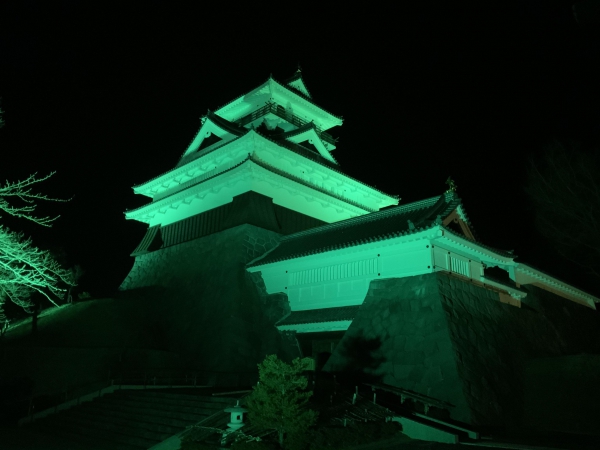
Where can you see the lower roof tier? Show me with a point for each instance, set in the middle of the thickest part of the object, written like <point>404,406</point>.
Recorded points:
<point>332,265</point>
<point>251,174</point>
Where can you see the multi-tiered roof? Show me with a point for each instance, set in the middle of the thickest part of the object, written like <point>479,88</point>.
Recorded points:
<point>273,141</point>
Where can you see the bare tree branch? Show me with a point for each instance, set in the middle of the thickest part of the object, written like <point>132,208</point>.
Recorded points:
<point>24,268</point>
<point>22,190</point>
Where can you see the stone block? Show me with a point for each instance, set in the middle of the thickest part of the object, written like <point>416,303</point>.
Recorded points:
<point>402,371</point>
<point>386,313</point>
<point>414,343</point>
<point>409,328</point>
<point>429,347</point>
<point>413,357</point>
<point>422,322</point>
<point>433,375</point>
<point>376,321</point>
<point>398,343</point>
<point>448,368</point>
<point>388,378</point>
<point>416,374</point>
<point>435,360</point>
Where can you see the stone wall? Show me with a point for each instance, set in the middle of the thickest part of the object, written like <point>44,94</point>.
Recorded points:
<point>444,337</point>
<point>212,307</point>
<point>403,325</point>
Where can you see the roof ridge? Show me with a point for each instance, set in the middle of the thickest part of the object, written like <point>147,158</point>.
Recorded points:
<point>367,217</point>
<point>295,77</point>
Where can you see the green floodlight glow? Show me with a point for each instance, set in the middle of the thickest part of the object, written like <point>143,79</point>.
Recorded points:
<point>24,268</point>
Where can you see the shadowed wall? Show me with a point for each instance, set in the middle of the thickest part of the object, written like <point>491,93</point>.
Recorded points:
<point>449,339</point>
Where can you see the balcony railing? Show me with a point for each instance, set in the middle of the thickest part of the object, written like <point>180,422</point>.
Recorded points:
<point>281,112</point>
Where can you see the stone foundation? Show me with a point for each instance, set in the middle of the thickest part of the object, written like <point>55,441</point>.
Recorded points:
<point>213,308</point>
<point>444,337</point>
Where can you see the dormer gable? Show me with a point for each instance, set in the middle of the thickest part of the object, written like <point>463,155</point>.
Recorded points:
<point>214,130</point>
<point>458,222</point>
<point>308,134</point>
<point>297,82</point>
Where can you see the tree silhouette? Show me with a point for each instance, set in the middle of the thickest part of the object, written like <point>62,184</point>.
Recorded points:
<point>278,401</point>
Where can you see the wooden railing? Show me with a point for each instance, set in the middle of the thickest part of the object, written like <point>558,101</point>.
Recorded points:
<point>280,111</point>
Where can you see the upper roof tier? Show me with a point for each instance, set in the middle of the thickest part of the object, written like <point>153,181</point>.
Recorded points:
<point>291,95</point>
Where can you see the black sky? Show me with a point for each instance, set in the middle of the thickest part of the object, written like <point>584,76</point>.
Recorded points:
<point>110,95</point>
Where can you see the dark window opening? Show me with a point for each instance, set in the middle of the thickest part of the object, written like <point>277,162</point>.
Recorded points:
<point>262,129</point>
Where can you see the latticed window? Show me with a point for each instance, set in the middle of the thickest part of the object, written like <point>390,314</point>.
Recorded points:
<point>460,266</point>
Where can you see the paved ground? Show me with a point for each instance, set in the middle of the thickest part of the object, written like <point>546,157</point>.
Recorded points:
<point>14,438</point>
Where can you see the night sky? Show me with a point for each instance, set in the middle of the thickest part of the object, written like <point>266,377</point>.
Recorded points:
<point>109,96</point>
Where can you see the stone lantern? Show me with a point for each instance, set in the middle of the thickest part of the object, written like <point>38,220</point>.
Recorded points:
<point>236,421</point>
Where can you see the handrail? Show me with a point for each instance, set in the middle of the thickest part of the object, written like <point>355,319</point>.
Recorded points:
<point>403,393</point>
<point>280,111</point>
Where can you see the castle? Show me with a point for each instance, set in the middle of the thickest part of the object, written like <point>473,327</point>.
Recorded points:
<point>263,244</point>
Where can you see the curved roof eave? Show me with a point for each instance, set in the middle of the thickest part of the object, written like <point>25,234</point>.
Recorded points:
<point>162,200</point>
<point>331,167</point>
<point>180,167</point>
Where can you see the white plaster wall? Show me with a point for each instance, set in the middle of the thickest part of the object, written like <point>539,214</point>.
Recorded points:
<point>342,277</point>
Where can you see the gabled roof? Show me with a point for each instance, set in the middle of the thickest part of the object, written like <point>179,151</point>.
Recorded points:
<point>377,226</point>
<point>213,124</point>
<point>307,132</point>
<point>297,82</point>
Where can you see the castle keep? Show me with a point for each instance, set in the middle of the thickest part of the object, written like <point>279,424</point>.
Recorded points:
<point>263,245</point>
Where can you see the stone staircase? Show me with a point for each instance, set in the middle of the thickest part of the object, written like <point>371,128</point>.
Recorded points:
<point>129,419</point>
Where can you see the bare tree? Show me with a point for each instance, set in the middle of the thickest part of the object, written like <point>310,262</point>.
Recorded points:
<point>24,268</point>
<point>564,189</point>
